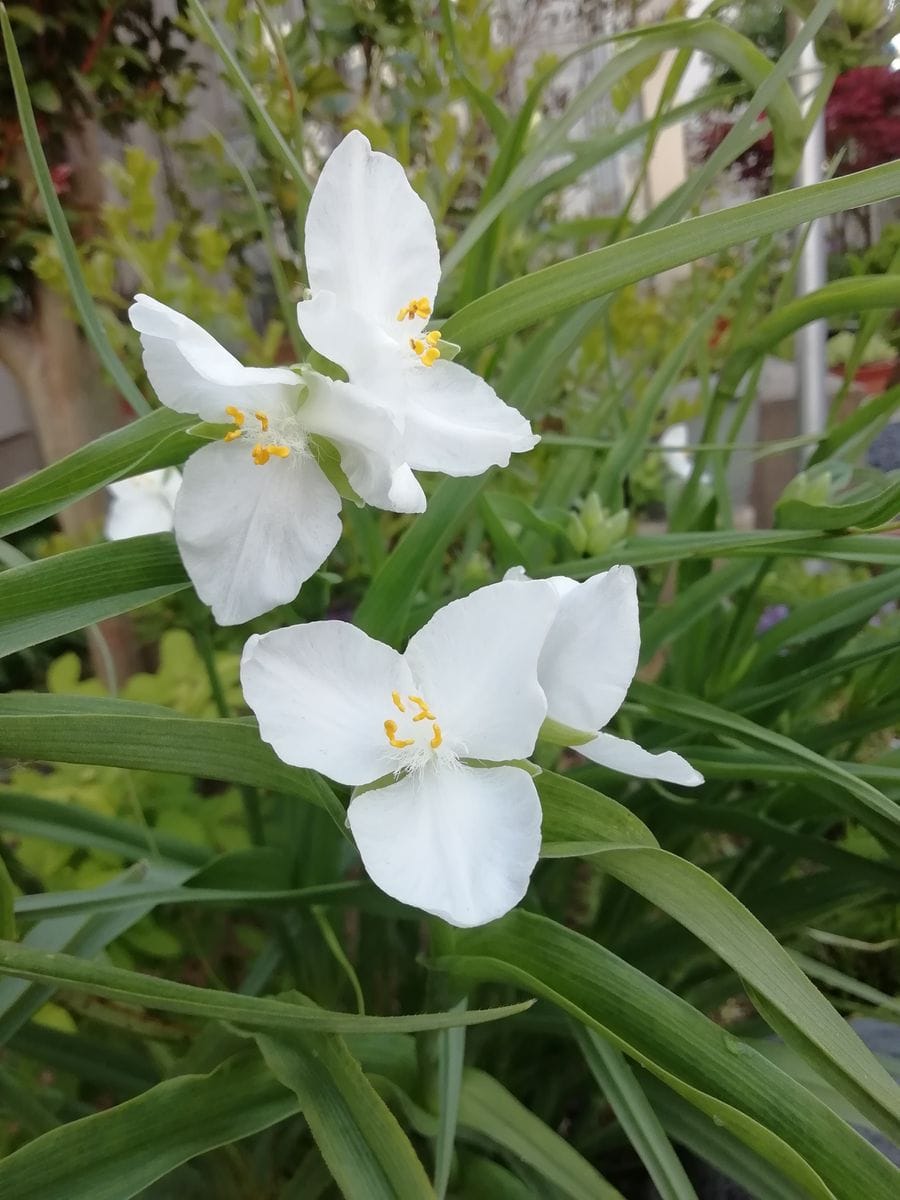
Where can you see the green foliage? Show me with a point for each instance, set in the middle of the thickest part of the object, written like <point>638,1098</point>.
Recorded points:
<point>207,997</point>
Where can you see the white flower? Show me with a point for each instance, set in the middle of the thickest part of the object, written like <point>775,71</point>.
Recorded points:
<point>456,840</point>
<point>374,266</point>
<point>142,504</point>
<point>256,515</point>
<point>586,666</point>
<point>678,459</point>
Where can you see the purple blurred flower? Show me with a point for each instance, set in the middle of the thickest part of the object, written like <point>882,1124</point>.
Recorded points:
<point>770,616</point>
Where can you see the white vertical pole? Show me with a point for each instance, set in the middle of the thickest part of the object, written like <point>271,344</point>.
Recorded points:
<point>810,341</point>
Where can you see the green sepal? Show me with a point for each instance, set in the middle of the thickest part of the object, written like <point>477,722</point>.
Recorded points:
<point>558,734</point>
<point>210,431</point>
<point>329,462</point>
<point>449,350</point>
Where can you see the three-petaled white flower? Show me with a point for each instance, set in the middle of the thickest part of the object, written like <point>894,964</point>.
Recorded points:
<point>256,515</point>
<point>142,504</point>
<point>374,266</point>
<point>456,840</point>
<point>587,664</point>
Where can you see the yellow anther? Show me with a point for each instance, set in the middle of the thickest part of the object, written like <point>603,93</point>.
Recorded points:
<point>438,736</point>
<point>279,451</point>
<point>415,308</point>
<point>431,355</point>
<point>230,437</point>
<point>424,713</point>
<point>434,337</point>
<point>236,415</point>
<point>263,420</point>
<point>398,703</point>
<point>260,455</point>
<point>417,345</point>
<point>390,729</point>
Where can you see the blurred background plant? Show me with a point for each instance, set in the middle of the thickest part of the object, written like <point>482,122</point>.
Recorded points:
<point>182,141</point>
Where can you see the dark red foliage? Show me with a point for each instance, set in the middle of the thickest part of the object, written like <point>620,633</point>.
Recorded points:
<point>862,120</point>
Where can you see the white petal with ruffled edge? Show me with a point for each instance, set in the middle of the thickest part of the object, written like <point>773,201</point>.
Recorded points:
<point>618,754</point>
<point>454,421</point>
<point>367,439</point>
<point>250,535</point>
<point>460,843</point>
<point>370,240</point>
<point>321,693</point>
<point>192,373</point>
<point>476,665</point>
<point>591,653</point>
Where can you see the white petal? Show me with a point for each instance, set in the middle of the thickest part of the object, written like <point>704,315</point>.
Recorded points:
<point>459,843</point>
<point>369,238</point>
<point>455,422</point>
<point>631,759</point>
<point>368,440</point>
<point>191,373</point>
<point>346,337</point>
<point>321,693</point>
<point>142,504</point>
<point>475,663</point>
<point>591,653</point>
<point>250,535</point>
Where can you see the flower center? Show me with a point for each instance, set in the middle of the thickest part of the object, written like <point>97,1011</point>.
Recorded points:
<point>427,348</point>
<point>278,444</point>
<point>415,308</point>
<point>414,732</point>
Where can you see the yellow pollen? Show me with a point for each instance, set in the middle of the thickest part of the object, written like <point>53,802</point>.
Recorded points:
<point>424,713</point>
<point>262,454</point>
<point>236,415</point>
<point>398,703</point>
<point>230,437</point>
<point>390,729</point>
<point>415,308</point>
<point>438,736</point>
<point>426,348</point>
<point>263,420</point>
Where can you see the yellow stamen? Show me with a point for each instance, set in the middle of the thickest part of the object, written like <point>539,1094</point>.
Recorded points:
<point>438,736</point>
<point>431,355</point>
<point>230,437</point>
<point>390,729</point>
<point>415,308</point>
<point>417,345</point>
<point>425,713</point>
<point>434,337</point>
<point>279,451</point>
<point>398,703</point>
<point>260,455</point>
<point>236,415</point>
<point>263,420</point>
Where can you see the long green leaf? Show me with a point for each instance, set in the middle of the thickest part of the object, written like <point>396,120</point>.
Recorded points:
<point>486,1106</point>
<point>716,1072</point>
<point>55,596</point>
<point>523,302</point>
<point>157,440</point>
<point>623,1093</point>
<point>229,750</point>
<point>116,1154</point>
<point>251,1012</point>
<point>358,1137</point>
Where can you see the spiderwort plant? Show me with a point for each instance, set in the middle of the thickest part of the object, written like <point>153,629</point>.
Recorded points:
<point>250,538</point>
<point>374,268</point>
<point>447,822</point>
